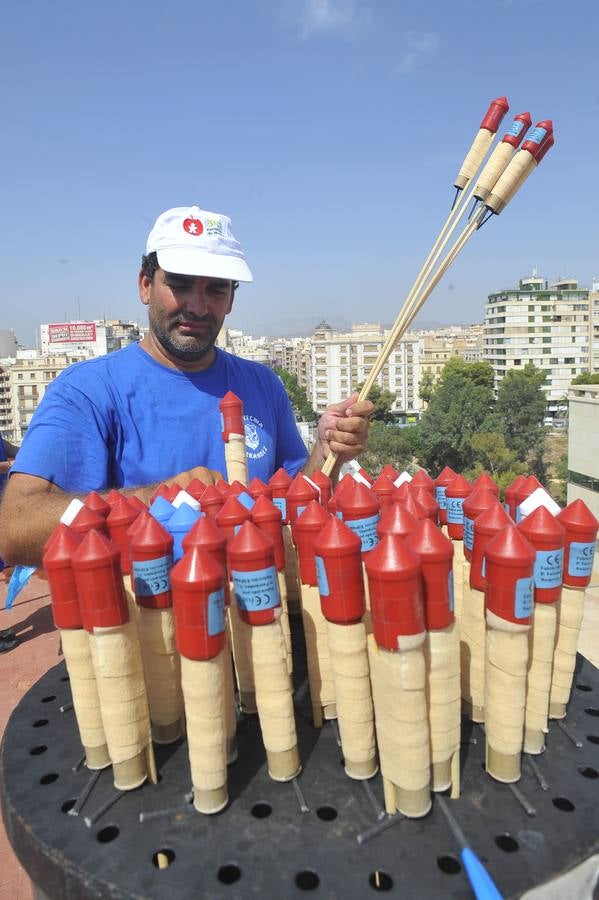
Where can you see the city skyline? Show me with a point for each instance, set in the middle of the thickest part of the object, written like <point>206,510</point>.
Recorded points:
<point>329,130</point>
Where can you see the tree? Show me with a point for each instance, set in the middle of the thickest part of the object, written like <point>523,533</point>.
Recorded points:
<point>519,412</point>
<point>388,444</point>
<point>586,378</point>
<point>383,401</point>
<point>426,386</point>
<point>297,396</point>
<point>459,408</point>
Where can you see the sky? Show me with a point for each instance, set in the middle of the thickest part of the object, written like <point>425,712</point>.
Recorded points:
<point>330,131</point>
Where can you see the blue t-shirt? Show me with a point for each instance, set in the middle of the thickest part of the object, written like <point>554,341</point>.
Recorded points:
<point>125,420</point>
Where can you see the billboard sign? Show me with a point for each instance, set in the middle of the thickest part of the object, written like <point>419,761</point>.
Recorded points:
<point>72,333</point>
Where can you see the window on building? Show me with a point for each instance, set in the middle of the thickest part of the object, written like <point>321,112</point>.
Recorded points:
<point>517,362</point>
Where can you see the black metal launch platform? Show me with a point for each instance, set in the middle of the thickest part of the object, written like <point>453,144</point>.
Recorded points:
<point>288,840</point>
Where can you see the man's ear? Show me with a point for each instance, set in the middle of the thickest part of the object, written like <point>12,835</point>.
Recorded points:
<point>144,284</point>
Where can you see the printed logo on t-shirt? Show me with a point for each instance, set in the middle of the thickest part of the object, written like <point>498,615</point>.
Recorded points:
<point>254,438</point>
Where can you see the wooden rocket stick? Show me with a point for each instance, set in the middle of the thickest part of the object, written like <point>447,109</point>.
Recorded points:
<point>274,700</point>
<point>355,713</point>
<point>284,619</point>
<point>461,572</point>
<point>472,652</point>
<point>570,613</point>
<point>230,709</point>
<point>243,665</point>
<point>292,588</point>
<point>86,703</point>
<point>442,657</point>
<point>505,697</point>
<point>118,666</point>
<point>162,673</point>
<point>540,665</point>
<point>203,684</point>
<point>398,692</point>
<point>320,671</point>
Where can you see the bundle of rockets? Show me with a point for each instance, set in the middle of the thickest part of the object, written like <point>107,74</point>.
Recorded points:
<point>421,599</point>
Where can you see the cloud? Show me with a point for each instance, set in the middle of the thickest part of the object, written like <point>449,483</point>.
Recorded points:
<point>420,46</point>
<point>334,17</point>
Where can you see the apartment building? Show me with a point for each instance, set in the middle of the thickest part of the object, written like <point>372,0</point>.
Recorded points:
<point>438,347</point>
<point>7,426</point>
<point>340,361</point>
<point>550,326</point>
<point>30,375</point>
<point>583,445</point>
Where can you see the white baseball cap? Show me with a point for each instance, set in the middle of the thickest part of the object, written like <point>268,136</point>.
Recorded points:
<point>192,241</point>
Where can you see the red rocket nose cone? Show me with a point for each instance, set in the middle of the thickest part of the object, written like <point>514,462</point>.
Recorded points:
<point>540,525</point>
<point>492,519</point>
<point>97,503</point>
<point>547,124</point>
<point>112,497</point>
<point>514,486</point>
<point>501,101</point>
<point>257,488</point>
<point>510,548</point>
<point>396,520</point>
<point>459,487</point>
<point>313,518</point>
<point>319,478</point>
<point>393,556</point>
<point>359,499</point>
<point>230,398</point>
<point>281,479</point>
<point>335,536</point>
<point>196,567</point>
<point>232,513</point>
<point>300,489</point>
<point>390,472</point>
<point>264,510</point>
<point>383,486</point>
<point>249,542</point>
<point>96,548</point>
<point>478,501</point>
<point>60,546</point>
<point>204,533</point>
<point>421,478</point>
<point>411,504</point>
<point>578,517</point>
<point>196,488</point>
<point>86,519</point>
<point>122,513</point>
<point>429,542</point>
<point>445,476</point>
<point>485,481</point>
<point>222,487</point>
<point>150,532</point>
<point>524,117</point>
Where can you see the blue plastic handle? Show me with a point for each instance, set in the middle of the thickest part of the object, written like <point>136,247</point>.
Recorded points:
<point>482,883</point>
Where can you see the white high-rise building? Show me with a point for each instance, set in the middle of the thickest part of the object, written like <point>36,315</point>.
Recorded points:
<point>550,326</point>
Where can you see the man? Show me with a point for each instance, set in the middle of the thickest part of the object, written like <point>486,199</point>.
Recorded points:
<point>149,413</point>
<point>8,451</point>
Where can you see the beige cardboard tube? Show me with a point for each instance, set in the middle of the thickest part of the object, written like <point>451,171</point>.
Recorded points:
<point>118,666</point>
<point>284,620</point>
<point>512,179</point>
<point>569,620</point>
<point>235,459</point>
<point>442,655</point>
<point>460,577</point>
<point>86,702</point>
<point>355,712</point>
<point>398,691</point>
<point>274,699</point>
<point>320,670</point>
<point>162,672</point>
<point>203,684</point>
<point>472,652</point>
<point>540,666</point>
<point>494,167</point>
<point>505,697</point>
<point>243,666</point>
<point>474,157</point>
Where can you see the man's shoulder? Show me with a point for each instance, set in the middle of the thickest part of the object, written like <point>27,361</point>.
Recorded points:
<point>96,366</point>
<point>249,368</point>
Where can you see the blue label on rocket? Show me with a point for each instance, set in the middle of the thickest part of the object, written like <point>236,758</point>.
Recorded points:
<point>151,576</point>
<point>321,574</point>
<point>468,533</point>
<point>580,562</point>
<point>523,599</point>
<point>256,590</point>
<point>549,568</point>
<point>366,531</point>
<point>440,496</point>
<point>455,515</point>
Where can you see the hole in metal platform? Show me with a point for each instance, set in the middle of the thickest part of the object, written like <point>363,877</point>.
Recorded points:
<point>49,778</point>
<point>162,859</point>
<point>449,864</point>
<point>584,687</point>
<point>307,880</point>
<point>588,771</point>
<point>326,813</point>
<point>65,678</point>
<point>261,810</point>
<point>107,834</point>
<point>507,843</point>
<point>37,751</point>
<point>593,738</point>
<point>380,881</point>
<point>68,805</point>
<point>592,711</point>
<point>564,804</point>
<point>49,698</point>
<point>229,874</point>
<point>39,723</point>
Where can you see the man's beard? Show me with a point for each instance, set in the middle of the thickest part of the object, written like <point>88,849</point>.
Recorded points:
<point>191,348</point>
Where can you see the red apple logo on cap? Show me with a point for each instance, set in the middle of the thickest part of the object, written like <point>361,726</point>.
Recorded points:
<point>193,226</point>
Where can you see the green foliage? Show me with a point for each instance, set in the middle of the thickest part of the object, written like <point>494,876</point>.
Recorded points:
<point>479,373</point>
<point>297,396</point>
<point>426,386</point>
<point>382,400</point>
<point>586,378</point>
<point>519,410</point>
<point>388,444</point>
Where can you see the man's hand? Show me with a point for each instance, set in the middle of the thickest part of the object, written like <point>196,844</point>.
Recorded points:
<point>343,428</point>
<point>208,476</point>
<point>5,465</point>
